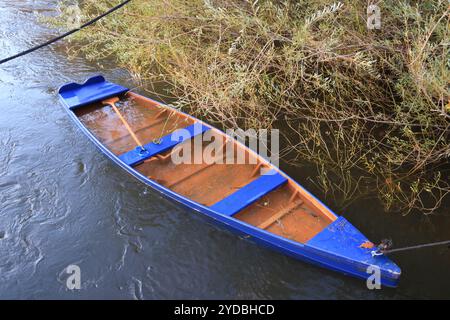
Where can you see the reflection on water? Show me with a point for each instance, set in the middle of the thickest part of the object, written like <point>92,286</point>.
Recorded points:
<point>64,203</point>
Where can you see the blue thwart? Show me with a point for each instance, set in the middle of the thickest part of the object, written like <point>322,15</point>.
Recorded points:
<point>151,149</point>
<point>249,193</point>
<point>271,209</point>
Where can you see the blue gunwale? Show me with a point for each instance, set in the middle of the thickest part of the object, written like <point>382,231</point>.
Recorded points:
<point>303,251</point>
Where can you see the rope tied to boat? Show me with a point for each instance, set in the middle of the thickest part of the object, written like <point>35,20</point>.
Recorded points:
<point>68,33</point>
<point>386,244</point>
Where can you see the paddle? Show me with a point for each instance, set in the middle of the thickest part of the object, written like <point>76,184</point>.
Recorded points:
<point>112,103</point>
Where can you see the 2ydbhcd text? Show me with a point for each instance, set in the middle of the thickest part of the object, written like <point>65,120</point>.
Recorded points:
<point>225,309</point>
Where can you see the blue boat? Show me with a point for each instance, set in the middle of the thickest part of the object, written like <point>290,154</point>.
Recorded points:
<point>210,172</point>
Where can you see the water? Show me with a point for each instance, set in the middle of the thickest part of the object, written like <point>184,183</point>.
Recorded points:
<point>62,203</point>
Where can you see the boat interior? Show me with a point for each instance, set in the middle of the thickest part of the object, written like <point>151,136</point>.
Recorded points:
<point>246,188</point>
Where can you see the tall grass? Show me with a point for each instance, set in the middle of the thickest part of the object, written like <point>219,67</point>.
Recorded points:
<point>369,107</point>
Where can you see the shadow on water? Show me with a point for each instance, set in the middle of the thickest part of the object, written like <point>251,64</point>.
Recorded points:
<point>64,203</point>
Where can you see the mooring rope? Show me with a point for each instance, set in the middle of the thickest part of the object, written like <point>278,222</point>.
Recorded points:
<point>383,249</point>
<point>68,33</point>
<point>419,246</point>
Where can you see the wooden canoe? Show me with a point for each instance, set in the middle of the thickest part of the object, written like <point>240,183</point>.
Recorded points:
<point>253,198</point>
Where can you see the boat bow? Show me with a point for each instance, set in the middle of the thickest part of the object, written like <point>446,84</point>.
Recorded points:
<point>342,241</point>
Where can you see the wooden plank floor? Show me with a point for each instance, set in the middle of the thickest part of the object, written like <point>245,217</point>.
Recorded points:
<point>296,221</point>
<point>204,183</point>
<point>147,123</point>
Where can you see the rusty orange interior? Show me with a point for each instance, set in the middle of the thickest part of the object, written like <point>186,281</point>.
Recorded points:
<point>287,211</point>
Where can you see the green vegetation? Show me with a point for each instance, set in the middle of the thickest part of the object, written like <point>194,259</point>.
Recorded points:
<point>370,104</point>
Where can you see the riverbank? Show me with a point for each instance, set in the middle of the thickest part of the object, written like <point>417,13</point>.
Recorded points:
<point>368,107</point>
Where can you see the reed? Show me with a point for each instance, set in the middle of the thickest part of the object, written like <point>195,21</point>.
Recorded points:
<point>369,107</point>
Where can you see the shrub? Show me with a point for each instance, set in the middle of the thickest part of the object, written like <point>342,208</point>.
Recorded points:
<point>369,107</point>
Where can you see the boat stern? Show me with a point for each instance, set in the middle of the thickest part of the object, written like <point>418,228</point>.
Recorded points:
<point>344,248</point>
<point>94,89</point>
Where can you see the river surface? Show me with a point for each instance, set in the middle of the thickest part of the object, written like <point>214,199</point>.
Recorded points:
<point>62,202</point>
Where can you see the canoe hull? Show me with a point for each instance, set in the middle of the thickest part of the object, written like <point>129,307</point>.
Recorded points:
<point>311,253</point>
